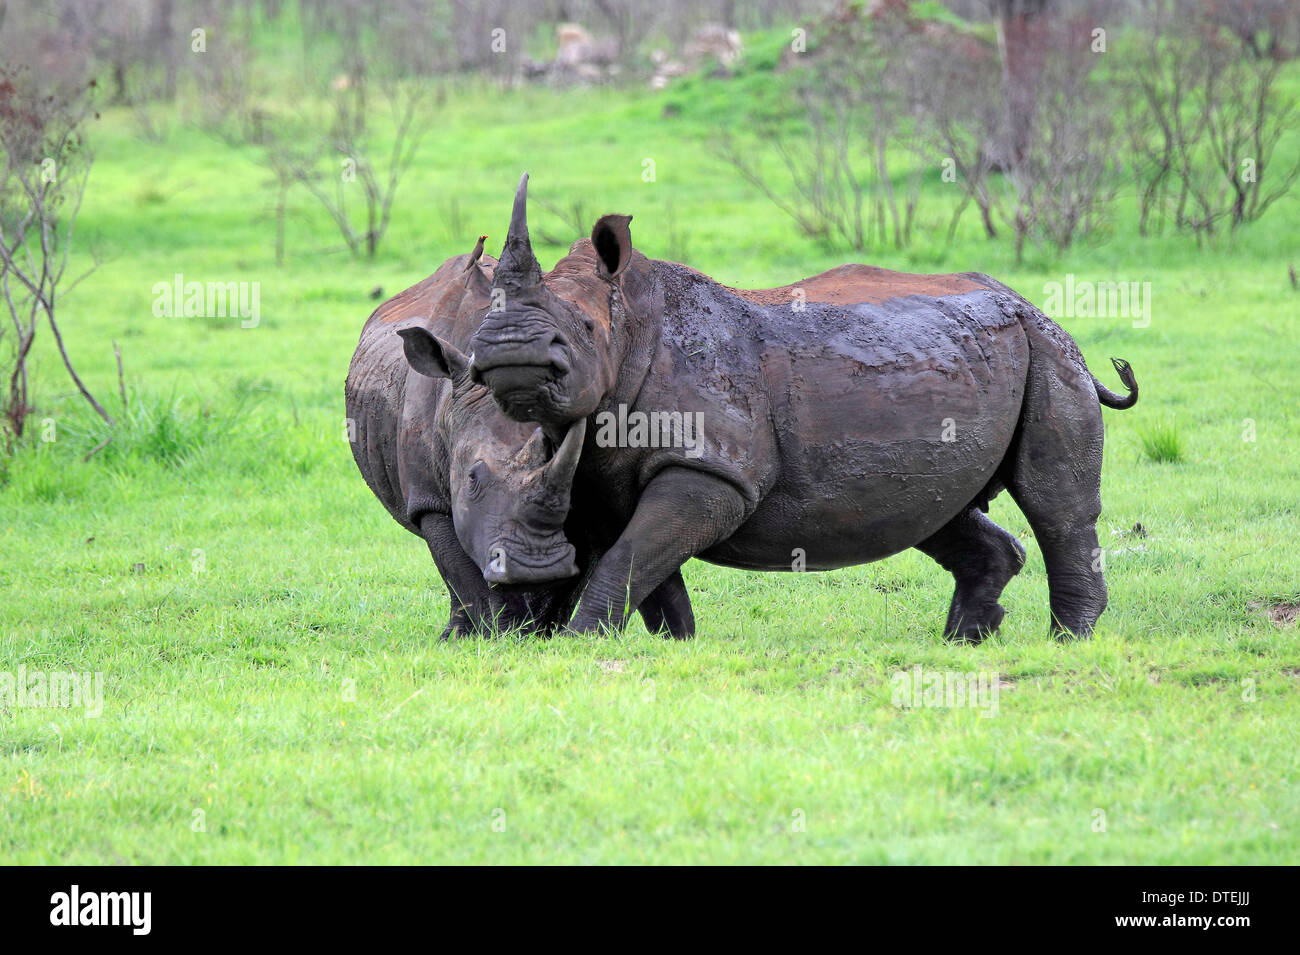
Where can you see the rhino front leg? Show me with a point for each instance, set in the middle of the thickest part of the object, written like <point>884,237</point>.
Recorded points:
<point>471,599</point>
<point>459,621</point>
<point>680,513</point>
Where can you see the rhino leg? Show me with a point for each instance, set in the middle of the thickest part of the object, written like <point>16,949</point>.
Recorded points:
<point>668,609</point>
<point>982,558</point>
<point>471,599</point>
<point>1054,476</point>
<point>458,623</point>
<point>680,513</point>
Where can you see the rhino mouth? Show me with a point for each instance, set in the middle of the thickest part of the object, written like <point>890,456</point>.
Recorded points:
<point>525,392</point>
<point>515,381</point>
<point>522,374</point>
<point>544,352</point>
<point>514,562</point>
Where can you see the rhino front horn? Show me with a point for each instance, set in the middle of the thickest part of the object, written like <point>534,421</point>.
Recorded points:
<point>560,472</point>
<point>518,267</point>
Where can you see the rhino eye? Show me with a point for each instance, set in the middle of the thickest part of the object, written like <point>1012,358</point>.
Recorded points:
<point>477,473</point>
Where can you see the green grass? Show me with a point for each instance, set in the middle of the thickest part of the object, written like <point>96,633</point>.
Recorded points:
<point>267,634</point>
<point>1161,443</point>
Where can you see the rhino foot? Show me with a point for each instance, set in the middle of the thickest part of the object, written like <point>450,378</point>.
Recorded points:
<point>973,631</point>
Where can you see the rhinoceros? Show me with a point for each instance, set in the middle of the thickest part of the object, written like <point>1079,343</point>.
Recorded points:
<point>489,495</point>
<point>840,420</point>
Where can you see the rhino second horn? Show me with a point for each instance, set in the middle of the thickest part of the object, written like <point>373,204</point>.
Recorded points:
<point>532,456</point>
<point>560,472</point>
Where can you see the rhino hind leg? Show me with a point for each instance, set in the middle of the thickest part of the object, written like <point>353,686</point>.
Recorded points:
<point>1054,475</point>
<point>668,609</point>
<point>982,558</point>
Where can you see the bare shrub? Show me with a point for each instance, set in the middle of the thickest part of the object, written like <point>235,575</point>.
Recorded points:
<point>1203,120</point>
<point>955,95</point>
<point>407,105</point>
<point>1064,172</point>
<point>576,216</point>
<point>1265,28</point>
<point>1056,144</point>
<point>44,165</point>
<point>834,145</point>
<point>1029,108</point>
<point>377,90</point>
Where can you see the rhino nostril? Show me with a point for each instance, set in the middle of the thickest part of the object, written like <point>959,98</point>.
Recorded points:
<point>557,352</point>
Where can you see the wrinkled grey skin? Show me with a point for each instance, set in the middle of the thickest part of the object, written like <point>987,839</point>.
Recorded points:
<point>483,491</point>
<point>509,496</point>
<point>847,418</point>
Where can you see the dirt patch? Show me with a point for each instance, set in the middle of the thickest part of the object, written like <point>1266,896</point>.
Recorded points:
<point>861,284</point>
<point>1284,613</point>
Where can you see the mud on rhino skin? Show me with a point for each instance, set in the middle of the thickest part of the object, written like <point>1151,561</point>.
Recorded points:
<point>844,418</point>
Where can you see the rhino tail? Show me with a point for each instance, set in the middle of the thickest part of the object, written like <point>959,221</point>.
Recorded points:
<point>1108,397</point>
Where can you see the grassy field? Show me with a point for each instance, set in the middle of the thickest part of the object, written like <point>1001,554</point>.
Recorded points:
<point>274,690</point>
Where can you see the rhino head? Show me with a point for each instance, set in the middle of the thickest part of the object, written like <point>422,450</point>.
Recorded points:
<point>547,348</point>
<point>509,488</point>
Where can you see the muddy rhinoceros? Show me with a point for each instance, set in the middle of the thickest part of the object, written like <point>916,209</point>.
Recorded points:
<point>832,422</point>
<point>489,495</point>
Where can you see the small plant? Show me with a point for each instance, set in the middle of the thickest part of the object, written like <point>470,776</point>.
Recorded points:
<point>1161,443</point>
<point>173,431</point>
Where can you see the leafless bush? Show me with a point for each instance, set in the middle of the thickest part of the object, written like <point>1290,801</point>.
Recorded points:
<point>954,91</point>
<point>376,90</point>
<point>55,44</point>
<point>44,164</point>
<point>841,186</point>
<point>1203,121</point>
<point>1061,174</point>
<point>825,197</point>
<point>576,216</point>
<point>1265,28</point>
<point>138,48</point>
<point>426,37</point>
<point>409,107</point>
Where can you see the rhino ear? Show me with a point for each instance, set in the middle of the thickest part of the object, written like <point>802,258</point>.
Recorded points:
<point>613,241</point>
<point>430,355</point>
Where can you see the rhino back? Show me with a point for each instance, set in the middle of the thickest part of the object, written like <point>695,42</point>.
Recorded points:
<point>870,394</point>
